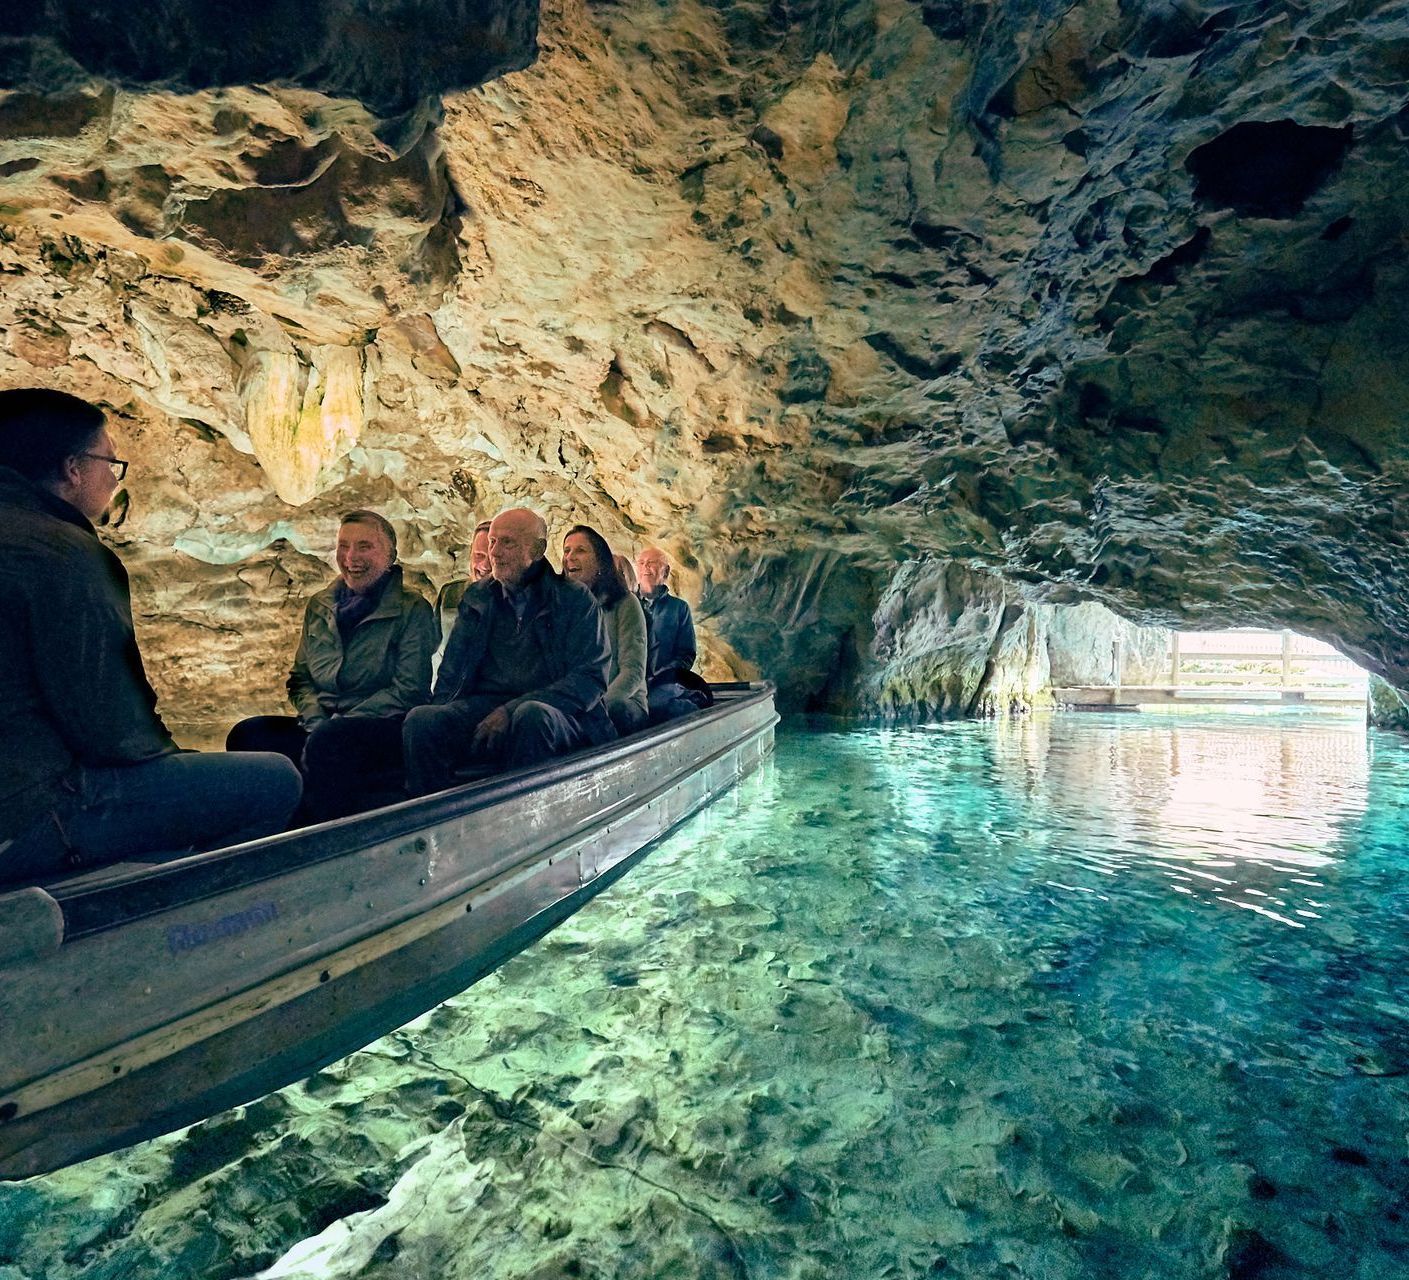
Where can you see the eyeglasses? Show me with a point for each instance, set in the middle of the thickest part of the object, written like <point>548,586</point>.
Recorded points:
<point>116,465</point>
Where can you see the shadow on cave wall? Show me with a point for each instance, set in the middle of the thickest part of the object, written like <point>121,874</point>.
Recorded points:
<point>388,54</point>
<point>804,620</point>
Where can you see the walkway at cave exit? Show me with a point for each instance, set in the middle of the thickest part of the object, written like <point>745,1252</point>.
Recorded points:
<point>1242,666</point>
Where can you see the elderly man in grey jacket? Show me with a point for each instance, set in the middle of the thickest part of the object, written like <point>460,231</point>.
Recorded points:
<point>524,673</point>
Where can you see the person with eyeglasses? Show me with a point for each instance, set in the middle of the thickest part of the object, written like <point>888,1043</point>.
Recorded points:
<point>89,774</point>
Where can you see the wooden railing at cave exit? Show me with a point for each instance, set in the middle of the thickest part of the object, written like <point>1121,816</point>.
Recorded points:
<point>1244,666</point>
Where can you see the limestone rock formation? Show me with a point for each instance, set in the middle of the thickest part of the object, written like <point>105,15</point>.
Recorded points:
<point>1088,645</point>
<point>1039,303</point>
<point>388,53</point>
<point>929,640</point>
<point>1388,706</point>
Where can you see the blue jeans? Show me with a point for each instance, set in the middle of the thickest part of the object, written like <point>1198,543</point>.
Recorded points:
<point>174,804</point>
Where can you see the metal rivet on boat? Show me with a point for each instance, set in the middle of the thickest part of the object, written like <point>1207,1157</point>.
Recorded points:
<point>422,844</point>
<point>423,880</point>
<point>117,1069</point>
<point>324,976</point>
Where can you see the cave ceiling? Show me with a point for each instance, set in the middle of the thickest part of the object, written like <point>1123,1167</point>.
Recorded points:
<point>1105,297</point>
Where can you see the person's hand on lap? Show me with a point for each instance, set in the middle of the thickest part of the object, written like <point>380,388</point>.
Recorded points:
<point>489,733</point>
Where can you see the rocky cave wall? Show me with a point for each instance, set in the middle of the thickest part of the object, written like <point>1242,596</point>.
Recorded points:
<point>928,639</point>
<point>904,325</point>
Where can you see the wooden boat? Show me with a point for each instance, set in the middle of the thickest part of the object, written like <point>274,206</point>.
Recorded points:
<point>143,998</point>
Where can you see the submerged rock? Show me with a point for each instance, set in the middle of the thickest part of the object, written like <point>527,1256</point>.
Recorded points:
<point>1048,996</point>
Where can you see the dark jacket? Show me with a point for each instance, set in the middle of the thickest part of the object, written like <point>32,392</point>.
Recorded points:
<point>670,634</point>
<point>383,669</point>
<point>568,628</point>
<point>72,687</point>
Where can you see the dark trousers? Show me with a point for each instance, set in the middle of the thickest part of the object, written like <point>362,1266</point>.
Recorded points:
<point>350,763</point>
<point>668,700</point>
<point>436,739</point>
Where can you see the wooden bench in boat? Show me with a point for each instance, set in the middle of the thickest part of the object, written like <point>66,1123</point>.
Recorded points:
<point>138,999</point>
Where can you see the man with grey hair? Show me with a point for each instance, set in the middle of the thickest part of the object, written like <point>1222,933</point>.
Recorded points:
<point>670,628</point>
<point>525,672</point>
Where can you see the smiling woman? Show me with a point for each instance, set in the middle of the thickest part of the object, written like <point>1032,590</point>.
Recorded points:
<point>366,550</point>
<point>363,661</point>
<point>588,559</point>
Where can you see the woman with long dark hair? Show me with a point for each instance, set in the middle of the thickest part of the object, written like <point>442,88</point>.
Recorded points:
<point>587,559</point>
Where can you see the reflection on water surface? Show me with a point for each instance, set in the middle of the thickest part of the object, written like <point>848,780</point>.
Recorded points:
<point>1235,809</point>
<point>1066,997</point>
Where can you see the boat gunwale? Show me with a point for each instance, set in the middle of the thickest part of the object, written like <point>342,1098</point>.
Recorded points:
<point>93,908</point>
<point>313,970</point>
<point>48,1147</point>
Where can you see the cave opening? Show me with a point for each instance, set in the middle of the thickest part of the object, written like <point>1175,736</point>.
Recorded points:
<point>1257,666</point>
<point>1267,168</point>
<point>1095,666</point>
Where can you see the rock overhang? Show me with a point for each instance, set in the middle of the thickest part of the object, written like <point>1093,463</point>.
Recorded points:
<point>1100,299</point>
<point>388,54</point>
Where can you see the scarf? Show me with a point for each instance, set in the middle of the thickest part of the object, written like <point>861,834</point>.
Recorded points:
<point>350,607</point>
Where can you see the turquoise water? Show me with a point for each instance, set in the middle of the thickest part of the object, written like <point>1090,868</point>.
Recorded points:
<point>1074,996</point>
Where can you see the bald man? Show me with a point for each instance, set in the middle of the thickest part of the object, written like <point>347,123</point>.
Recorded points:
<point>524,673</point>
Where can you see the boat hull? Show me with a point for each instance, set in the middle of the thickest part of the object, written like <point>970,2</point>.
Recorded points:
<point>181,990</point>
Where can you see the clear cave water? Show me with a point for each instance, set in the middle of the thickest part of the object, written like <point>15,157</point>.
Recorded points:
<point>1069,996</point>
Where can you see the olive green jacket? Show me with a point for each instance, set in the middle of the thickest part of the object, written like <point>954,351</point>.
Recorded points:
<point>383,670</point>
<point>626,629</point>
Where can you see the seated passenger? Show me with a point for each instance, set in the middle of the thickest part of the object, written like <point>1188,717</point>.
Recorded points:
<point>588,559</point>
<point>363,661</point>
<point>90,774</point>
<point>671,639</point>
<point>447,600</point>
<point>524,673</point>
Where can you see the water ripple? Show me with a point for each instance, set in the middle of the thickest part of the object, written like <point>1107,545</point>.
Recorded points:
<point>1064,998</point>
